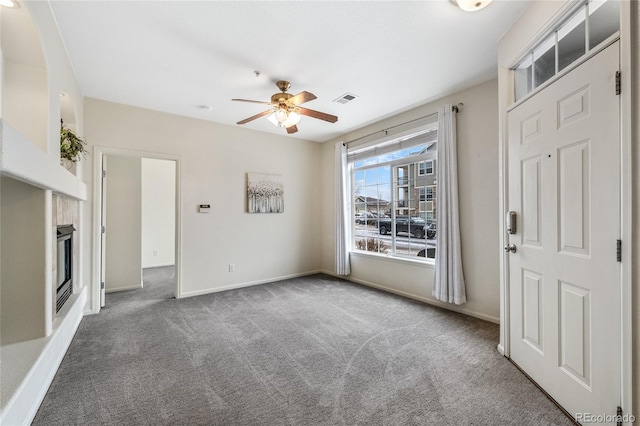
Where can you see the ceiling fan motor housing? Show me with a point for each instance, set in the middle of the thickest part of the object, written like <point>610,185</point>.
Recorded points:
<point>280,98</point>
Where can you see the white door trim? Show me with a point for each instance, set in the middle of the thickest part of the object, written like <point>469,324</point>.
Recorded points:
<point>98,153</point>
<point>524,39</point>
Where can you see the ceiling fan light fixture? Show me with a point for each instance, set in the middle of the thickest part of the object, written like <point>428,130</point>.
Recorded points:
<point>292,119</point>
<point>281,114</point>
<point>472,5</point>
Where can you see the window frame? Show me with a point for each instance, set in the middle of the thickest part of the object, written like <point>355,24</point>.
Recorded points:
<point>426,168</point>
<point>393,202</point>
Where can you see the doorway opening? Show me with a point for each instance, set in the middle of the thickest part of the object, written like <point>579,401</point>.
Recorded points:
<point>136,209</point>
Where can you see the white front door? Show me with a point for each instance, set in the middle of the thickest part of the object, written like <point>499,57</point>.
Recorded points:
<point>564,278</point>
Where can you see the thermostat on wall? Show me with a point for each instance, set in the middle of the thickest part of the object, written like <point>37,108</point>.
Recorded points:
<point>204,208</point>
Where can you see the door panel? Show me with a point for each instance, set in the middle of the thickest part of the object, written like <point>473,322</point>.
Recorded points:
<point>564,281</point>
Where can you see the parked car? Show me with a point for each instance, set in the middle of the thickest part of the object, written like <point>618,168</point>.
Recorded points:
<point>430,230</point>
<point>366,217</point>
<point>413,225</point>
<point>369,218</point>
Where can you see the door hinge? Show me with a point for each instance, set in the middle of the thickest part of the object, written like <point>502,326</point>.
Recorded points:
<point>619,416</point>
<point>619,250</point>
<point>104,173</point>
<point>102,285</point>
<point>618,82</point>
<point>103,229</point>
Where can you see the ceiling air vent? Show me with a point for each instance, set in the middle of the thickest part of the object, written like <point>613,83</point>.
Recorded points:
<point>347,97</point>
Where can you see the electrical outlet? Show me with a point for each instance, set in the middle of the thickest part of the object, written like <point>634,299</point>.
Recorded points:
<point>232,267</point>
<point>155,252</point>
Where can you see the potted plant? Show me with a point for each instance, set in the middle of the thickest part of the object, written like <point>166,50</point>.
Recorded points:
<point>72,147</point>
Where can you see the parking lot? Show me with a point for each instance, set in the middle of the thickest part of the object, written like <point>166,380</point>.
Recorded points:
<point>404,243</point>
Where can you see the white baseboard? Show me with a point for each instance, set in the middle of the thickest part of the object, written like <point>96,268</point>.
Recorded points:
<point>158,265</point>
<point>433,302</point>
<point>247,284</point>
<point>133,287</point>
<point>23,405</point>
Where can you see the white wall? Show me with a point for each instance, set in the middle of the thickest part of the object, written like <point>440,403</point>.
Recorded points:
<point>213,162</point>
<point>25,101</point>
<point>158,212</point>
<point>478,185</point>
<point>123,268</point>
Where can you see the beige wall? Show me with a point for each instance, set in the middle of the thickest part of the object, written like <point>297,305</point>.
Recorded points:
<point>158,212</point>
<point>123,265</point>
<point>213,162</point>
<point>478,185</point>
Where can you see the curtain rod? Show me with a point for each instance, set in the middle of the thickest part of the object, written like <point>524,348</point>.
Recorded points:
<point>456,108</point>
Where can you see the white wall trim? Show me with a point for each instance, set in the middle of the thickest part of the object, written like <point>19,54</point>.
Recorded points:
<point>98,153</point>
<point>158,265</point>
<point>23,405</point>
<point>626,207</point>
<point>249,284</point>
<point>423,299</point>
<point>131,287</point>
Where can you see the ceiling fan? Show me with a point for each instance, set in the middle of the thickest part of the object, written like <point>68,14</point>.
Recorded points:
<point>285,108</point>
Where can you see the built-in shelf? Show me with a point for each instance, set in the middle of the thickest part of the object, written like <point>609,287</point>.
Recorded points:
<point>24,161</point>
<point>28,367</point>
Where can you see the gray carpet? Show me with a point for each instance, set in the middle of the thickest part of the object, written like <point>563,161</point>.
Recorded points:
<point>307,351</point>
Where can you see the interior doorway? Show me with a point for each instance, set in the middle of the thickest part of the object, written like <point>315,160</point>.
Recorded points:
<point>136,208</point>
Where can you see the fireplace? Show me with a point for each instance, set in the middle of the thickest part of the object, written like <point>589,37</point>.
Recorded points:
<point>64,282</point>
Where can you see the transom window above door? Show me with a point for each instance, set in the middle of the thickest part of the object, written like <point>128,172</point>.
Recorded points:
<point>593,23</point>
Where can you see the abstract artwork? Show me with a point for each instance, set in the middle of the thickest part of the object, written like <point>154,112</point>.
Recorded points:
<point>265,193</point>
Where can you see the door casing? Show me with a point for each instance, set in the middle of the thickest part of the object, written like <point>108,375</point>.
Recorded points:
<point>536,23</point>
<point>99,152</point>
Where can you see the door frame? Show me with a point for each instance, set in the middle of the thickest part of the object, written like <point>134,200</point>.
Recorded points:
<point>538,21</point>
<point>98,154</point>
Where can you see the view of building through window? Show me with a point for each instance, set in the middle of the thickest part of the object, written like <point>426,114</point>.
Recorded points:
<point>395,209</point>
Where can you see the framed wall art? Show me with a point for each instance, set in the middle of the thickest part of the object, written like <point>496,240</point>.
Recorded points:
<point>265,193</point>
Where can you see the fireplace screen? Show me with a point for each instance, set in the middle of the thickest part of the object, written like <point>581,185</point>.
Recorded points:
<point>64,265</point>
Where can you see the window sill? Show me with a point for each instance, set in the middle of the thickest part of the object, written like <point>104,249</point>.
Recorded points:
<point>427,264</point>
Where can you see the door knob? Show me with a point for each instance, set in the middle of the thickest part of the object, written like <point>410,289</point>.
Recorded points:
<point>510,248</point>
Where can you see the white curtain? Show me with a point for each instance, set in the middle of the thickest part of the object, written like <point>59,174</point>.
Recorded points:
<point>343,209</point>
<point>448,284</point>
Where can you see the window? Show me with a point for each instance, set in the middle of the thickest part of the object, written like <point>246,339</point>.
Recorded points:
<point>425,168</point>
<point>393,185</point>
<point>426,193</point>
<point>593,23</point>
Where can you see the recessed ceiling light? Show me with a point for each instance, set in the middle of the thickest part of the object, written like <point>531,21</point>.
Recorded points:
<point>10,3</point>
<point>206,107</point>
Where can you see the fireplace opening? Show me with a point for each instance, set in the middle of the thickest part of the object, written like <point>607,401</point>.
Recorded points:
<point>64,281</point>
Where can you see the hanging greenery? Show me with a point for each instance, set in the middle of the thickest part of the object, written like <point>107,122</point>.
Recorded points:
<point>72,147</point>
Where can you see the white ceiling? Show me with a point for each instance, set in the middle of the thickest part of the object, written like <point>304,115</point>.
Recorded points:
<point>173,56</point>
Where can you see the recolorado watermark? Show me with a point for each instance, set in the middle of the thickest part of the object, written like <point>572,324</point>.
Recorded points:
<point>605,418</point>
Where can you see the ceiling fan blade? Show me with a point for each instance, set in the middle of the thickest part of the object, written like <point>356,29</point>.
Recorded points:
<point>253,102</point>
<point>317,114</point>
<point>292,129</point>
<point>262,114</point>
<point>301,98</point>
